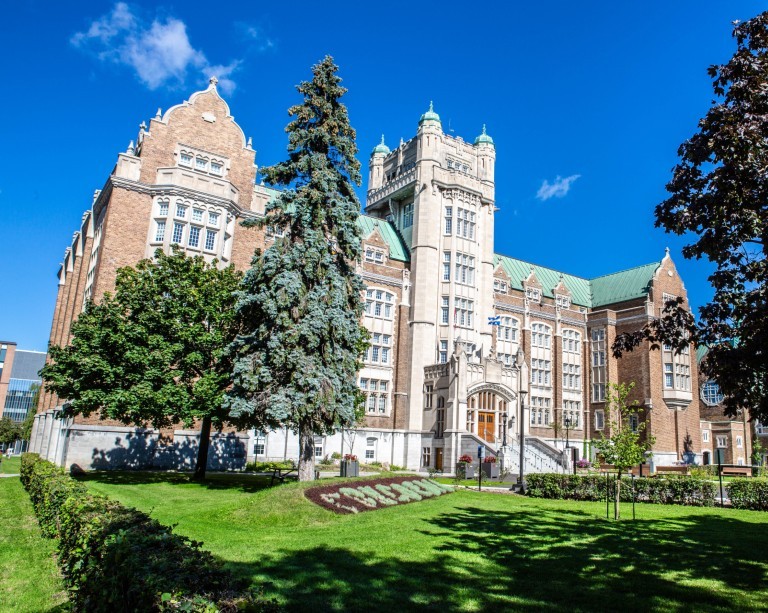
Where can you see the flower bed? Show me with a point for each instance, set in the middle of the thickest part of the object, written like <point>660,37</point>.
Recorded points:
<point>358,496</point>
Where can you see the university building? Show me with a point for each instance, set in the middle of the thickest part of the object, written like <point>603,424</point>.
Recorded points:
<point>439,379</point>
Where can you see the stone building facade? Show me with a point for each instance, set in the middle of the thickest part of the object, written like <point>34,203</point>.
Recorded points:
<point>440,380</point>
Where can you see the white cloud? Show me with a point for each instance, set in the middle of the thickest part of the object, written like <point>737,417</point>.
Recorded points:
<point>557,189</point>
<point>256,36</point>
<point>159,52</point>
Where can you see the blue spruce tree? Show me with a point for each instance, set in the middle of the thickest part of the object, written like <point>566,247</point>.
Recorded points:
<point>300,304</point>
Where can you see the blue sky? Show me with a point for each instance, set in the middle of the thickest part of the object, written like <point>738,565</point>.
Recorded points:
<point>587,103</point>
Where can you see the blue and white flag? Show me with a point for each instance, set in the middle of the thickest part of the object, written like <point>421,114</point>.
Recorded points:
<point>494,320</point>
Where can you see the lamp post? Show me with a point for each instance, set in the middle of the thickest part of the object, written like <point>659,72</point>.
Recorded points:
<point>521,477</point>
<point>504,430</point>
<point>567,424</point>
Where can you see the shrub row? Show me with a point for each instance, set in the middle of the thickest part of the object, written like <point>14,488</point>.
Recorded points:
<point>749,493</point>
<point>691,491</point>
<point>115,558</point>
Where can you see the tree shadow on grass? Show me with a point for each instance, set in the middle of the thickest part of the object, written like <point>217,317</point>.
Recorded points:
<point>245,483</point>
<point>533,560</point>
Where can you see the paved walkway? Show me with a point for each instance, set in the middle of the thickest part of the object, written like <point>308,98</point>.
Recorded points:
<point>10,475</point>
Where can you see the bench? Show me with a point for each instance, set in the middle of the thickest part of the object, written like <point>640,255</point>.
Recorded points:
<point>281,474</point>
<point>672,470</point>
<point>744,471</point>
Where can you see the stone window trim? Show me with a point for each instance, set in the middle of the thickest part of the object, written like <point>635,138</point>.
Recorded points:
<point>379,303</point>
<point>199,160</point>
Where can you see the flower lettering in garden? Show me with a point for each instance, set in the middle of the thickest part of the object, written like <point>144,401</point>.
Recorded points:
<point>375,494</point>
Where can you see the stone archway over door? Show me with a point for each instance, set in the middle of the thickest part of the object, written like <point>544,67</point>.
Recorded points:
<point>484,414</point>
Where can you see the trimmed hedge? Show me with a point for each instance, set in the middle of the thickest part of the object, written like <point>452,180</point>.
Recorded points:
<point>749,493</point>
<point>691,491</point>
<point>115,558</point>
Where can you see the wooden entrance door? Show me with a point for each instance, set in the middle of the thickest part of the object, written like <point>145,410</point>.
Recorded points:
<point>439,458</point>
<point>486,426</point>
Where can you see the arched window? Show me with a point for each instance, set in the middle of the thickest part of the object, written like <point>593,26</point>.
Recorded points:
<point>379,303</point>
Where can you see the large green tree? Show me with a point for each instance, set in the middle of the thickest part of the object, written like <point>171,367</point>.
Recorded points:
<point>154,353</point>
<point>300,304</point>
<point>625,443</point>
<point>9,431</point>
<point>719,194</point>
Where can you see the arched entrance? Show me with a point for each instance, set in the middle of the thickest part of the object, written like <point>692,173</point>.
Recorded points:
<point>485,410</point>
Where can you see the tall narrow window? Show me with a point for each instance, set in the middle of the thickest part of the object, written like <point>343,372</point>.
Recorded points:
<point>408,215</point>
<point>598,365</point>
<point>194,237</point>
<point>444,310</point>
<point>160,232</point>
<point>448,220</point>
<point>178,232</point>
<point>210,240</point>
<point>446,266</point>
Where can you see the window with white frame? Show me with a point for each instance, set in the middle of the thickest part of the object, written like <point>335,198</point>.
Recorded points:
<point>599,419</point>
<point>598,364</point>
<point>210,240</point>
<point>683,377</point>
<point>571,341</point>
<point>443,357</point>
<point>540,411</point>
<point>562,301</point>
<point>216,167</point>
<point>178,232</point>
<point>194,237</point>
<point>499,286</point>
<point>379,303</point>
<point>463,310</point>
<point>408,215</point>
<point>541,371</point>
<point>505,358</point>
<point>572,376</point>
<point>448,228</point>
<point>508,329</point>
<point>181,211</point>
<point>185,159</point>
<point>318,449</point>
<point>373,255</point>
<point>259,445</point>
<point>465,223</point>
<point>533,294</point>
<point>446,265</point>
<point>197,214</point>
<point>429,394</point>
<point>376,395</point>
<point>739,442</point>
<point>439,422</point>
<point>668,375</point>
<point>275,232</point>
<point>634,422</point>
<point>213,219</point>
<point>465,269</point>
<point>471,415</point>
<point>541,335</point>
<point>722,441</point>
<point>572,412</point>
<point>705,436</point>
<point>370,448</point>
<point>201,163</point>
<point>426,456</point>
<point>379,351</point>
<point>444,308</point>
<point>160,231</point>
<point>162,208</point>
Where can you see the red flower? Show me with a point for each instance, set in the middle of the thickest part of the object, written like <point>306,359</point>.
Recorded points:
<point>465,459</point>
<point>350,457</point>
<point>491,459</point>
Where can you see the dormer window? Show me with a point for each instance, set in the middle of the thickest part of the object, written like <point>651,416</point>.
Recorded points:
<point>201,164</point>
<point>533,294</point>
<point>375,256</point>
<point>217,168</point>
<point>185,159</point>
<point>499,286</point>
<point>562,302</point>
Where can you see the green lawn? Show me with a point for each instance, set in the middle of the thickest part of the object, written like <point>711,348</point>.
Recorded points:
<point>10,466</point>
<point>466,551</point>
<point>29,579</point>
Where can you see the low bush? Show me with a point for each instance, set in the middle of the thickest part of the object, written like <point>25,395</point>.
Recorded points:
<point>116,559</point>
<point>689,491</point>
<point>749,493</point>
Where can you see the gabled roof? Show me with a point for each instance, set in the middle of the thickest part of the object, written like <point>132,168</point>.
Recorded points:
<point>624,285</point>
<point>397,249</point>
<point>600,291</point>
<point>549,278</point>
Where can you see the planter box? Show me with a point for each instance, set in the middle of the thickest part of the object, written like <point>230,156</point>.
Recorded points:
<point>465,471</point>
<point>491,470</point>
<point>350,468</point>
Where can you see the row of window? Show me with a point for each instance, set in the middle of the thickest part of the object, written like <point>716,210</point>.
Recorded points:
<point>195,235</point>
<point>572,376</point>
<point>465,223</point>
<point>464,267</point>
<point>541,335</point>
<point>677,376</point>
<point>540,372</point>
<point>198,214</point>
<point>378,351</point>
<point>375,256</point>
<point>201,163</point>
<point>379,303</point>
<point>462,311</point>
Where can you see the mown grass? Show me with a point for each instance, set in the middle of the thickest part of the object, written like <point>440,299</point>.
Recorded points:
<point>10,466</point>
<point>466,551</point>
<point>29,579</point>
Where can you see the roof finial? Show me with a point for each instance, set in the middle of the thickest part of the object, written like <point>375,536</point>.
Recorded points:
<point>431,108</point>
<point>382,139</point>
<point>213,81</point>
<point>483,128</point>
<point>250,142</point>
<point>159,114</point>
<point>131,149</point>
<point>666,251</point>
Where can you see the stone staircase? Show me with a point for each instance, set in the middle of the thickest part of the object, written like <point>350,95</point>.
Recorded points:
<point>540,456</point>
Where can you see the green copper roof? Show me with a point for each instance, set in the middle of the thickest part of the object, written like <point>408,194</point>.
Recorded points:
<point>701,351</point>
<point>484,138</point>
<point>518,271</point>
<point>430,115</point>
<point>624,285</point>
<point>397,250</point>
<point>600,291</point>
<point>380,148</point>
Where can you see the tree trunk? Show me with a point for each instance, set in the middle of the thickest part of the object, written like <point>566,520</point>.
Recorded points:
<point>306,452</point>
<point>202,450</point>
<point>617,502</point>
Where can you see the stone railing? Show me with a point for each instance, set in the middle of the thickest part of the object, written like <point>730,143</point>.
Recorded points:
<point>393,186</point>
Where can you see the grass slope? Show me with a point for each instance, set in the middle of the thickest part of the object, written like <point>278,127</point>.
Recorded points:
<point>466,551</point>
<point>29,579</point>
<point>10,466</point>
